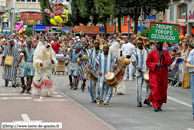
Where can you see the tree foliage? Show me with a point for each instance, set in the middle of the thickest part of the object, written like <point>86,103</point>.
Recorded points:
<point>145,32</point>
<point>104,9</point>
<point>87,9</point>
<point>45,5</point>
<point>75,17</point>
<point>135,7</point>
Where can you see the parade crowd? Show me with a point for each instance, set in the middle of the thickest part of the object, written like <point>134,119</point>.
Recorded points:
<point>34,58</point>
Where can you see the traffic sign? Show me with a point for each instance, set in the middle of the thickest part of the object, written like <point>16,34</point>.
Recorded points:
<point>140,28</point>
<point>151,16</point>
<point>101,29</point>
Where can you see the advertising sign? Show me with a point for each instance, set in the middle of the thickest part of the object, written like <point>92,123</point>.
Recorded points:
<point>166,32</point>
<point>30,16</point>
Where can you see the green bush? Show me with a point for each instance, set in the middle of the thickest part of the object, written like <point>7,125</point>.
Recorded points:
<point>29,32</point>
<point>145,32</point>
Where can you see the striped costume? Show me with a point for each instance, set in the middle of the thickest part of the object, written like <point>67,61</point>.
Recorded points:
<point>92,54</point>
<point>139,57</point>
<point>9,72</point>
<point>73,65</point>
<point>81,68</point>
<point>27,69</point>
<point>105,64</point>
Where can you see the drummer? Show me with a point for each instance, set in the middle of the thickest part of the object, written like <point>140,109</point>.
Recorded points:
<point>92,54</point>
<point>139,56</point>
<point>105,62</point>
<point>74,66</point>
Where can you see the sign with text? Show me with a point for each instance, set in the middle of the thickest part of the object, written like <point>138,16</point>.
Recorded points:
<point>30,16</point>
<point>166,32</point>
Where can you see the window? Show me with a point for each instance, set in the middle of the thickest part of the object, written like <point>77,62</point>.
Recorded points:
<point>171,12</point>
<point>20,0</point>
<point>182,10</point>
<point>31,0</point>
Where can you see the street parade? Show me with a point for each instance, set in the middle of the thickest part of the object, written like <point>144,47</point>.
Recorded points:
<point>97,64</point>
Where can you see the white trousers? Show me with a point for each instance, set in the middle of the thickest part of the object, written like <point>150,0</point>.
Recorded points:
<point>139,83</point>
<point>129,68</point>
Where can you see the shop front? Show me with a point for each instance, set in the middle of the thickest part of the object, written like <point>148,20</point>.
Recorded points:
<point>30,18</point>
<point>183,25</point>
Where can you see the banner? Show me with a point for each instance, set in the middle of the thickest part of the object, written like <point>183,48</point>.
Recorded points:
<point>166,32</point>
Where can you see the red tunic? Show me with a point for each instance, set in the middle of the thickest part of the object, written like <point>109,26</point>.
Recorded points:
<point>158,77</point>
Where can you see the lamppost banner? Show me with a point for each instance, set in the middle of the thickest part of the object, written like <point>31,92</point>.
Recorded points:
<point>166,32</point>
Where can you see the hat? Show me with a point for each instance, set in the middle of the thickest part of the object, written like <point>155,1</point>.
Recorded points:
<point>78,45</point>
<point>55,39</point>
<point>11,40</point>
<point>96,41</point>
<point>107,45</point>
<point>77,37</point>
<point>147,43</point>
<point>139,41</point>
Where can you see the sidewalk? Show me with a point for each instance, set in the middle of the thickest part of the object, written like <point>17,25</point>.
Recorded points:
<point>50,109</point>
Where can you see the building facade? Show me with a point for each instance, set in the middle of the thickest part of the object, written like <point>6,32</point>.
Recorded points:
<point>178,13</point>
<point>27,11</point>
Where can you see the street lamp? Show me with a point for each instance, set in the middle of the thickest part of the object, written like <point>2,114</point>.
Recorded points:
<point>115,22</point>
<point>128,19</point>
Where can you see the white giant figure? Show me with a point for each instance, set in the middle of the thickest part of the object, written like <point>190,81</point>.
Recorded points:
<point>115,49</point>
<point>44,59</point>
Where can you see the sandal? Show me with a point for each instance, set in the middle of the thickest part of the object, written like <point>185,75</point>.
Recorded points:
<point>99,102</point>
<point>107,105</point>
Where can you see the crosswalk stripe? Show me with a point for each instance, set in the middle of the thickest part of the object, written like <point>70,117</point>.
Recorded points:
<point>2,98</point>
<point>50,100</point>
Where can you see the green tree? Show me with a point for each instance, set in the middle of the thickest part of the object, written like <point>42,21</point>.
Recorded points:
<point>44,4</point>
<point>75,17</point>
<point>135,7</point>
<point>87,9</point>
<point>29,32</point>
<point>120,10</point>
<point>104,9</point>
<point>145,32</point>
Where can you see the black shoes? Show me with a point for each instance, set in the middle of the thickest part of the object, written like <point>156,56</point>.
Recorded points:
<point>148,103</point>
<point>139,104</point>
<point>93,101</point>
<point>6,83</point>
<point>13,86</point>
<point>157,109</point>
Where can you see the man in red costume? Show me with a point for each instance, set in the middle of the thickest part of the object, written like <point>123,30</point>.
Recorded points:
<point>157,62</point>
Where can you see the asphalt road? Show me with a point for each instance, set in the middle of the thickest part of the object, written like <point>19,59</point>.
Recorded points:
<point>83,115</point>
<point>124,115</point>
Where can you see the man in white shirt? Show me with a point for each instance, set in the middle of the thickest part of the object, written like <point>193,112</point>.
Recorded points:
<point>190,65</point>
<point>17,43</point>
<point>127,49</point>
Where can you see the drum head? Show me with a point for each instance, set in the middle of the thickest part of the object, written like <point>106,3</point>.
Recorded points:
<point>109,76</point>
<point>146,76</point>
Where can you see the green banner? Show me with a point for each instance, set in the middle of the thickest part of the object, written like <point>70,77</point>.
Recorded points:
<point>166,32</point>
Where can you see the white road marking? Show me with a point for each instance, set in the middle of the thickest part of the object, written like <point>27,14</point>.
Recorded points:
<point>55,93</point>
<point>50,100</point>
<point>3,98</point>
<point>176,100</point>
<point>57,96</point>
<point>189,129</point>
<point>179,101</point>
<point>27,119</point>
